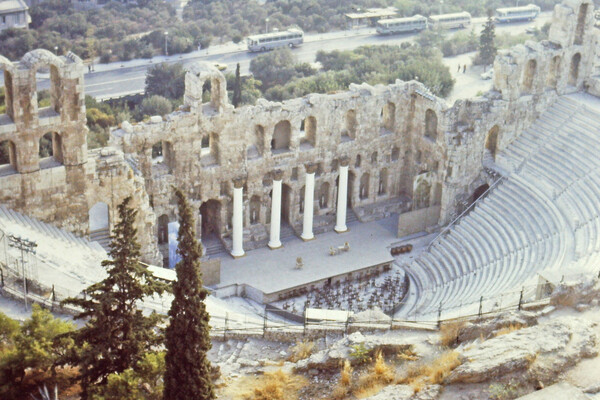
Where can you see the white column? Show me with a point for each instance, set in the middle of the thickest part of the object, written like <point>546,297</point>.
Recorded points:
<point>274,241</point>
<point>238,219</point>
<point>342,200</point>
<point>309,200</point>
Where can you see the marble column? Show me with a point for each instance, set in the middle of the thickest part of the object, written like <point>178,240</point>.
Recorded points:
<point>342,200</point>
<point>237,222</point>
<point>309,200</point>
<point>274,240</point>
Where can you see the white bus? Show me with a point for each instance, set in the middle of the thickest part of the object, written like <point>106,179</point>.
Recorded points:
<point>400,25</point>
<point>450,21</point>
<point>272,40</point>
<point>510,14</point>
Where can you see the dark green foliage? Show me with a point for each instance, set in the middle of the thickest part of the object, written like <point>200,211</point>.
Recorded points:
<point>33,347</point>
<point>166,80</point>
<point>116,334</point>
<point>154,105</point>
<point>274,68</point>
<point>237,88</point>
<point>487,45</point>
<point>187,375</point>
<point>144,382</point>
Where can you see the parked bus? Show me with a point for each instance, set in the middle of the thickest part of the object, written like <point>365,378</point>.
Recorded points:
<point>450,21</point>
<point>273,40</point>
<point>401,25</point>
<point>510,14</point>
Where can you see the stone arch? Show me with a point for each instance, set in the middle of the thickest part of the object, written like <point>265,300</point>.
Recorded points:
<point>48,101</point>
<point>257,142</point>
<point>574,69</point>
<point>363,192</point>
<point>8,70</point>
<point>374,157</point>
<point>395,153</point>
<point>421,194</point>
<point>309,127</point>
<point>163,229</point>
<point>431,124</point>
<point>282,133</point>
<point>50,148</point>
<point>254,213</point>
<point>382,188</point>
<point>580,28</point>
<point>553,72</point>
<point>350,125</point>
<point>324,195</point>
<point>529,75</point>
<point>98,217</point>
<point>162,153</point>
<point>209,149</point>
<point>491,140</point>
<point>8,155</point>
<point>357,162</point>
<point>211,219</point>
<point>389,116</point>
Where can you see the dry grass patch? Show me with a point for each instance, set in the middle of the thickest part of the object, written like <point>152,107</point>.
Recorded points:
<point>342,389</point>
<point>449,332</point>
<point>433,373</point>
<point>376,377</point>
<point>407,355</point>
<point>301,350</point>
<point>277,385</point>
<point>508,329</point>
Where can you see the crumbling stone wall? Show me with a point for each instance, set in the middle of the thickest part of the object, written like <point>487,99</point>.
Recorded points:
<point>393,138</point>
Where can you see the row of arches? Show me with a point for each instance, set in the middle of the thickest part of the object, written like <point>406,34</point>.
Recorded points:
<point>50,151</point>
<point>552,76</point>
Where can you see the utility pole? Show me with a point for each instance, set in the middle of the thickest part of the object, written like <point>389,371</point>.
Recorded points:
<point>26,246</point>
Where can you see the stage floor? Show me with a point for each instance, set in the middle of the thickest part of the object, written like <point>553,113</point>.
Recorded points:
<point>271,271</point>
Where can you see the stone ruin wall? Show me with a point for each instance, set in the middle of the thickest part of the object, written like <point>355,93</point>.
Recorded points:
<point>399,135</point>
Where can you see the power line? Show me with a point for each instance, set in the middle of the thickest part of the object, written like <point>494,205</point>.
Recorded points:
<point>26,246</point>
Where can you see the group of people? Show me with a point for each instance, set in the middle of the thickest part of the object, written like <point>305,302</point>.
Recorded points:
<point>464,68</point>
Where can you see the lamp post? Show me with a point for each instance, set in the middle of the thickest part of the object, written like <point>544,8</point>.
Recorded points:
<point>56,50</point>
<point>267,25</point>
<point>441,6</point>
<point>26,246</point>
<point>166,43</point>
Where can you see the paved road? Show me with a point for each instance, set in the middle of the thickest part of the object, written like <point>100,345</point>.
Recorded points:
<point>118,79</point>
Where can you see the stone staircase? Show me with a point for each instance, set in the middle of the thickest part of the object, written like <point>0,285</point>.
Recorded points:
<point>544,215</point>
<point>213,247</point>
<point>102,237</point>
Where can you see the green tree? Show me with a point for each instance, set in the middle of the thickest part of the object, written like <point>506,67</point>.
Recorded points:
<point>167,80</point>
<point>116,334</point>
<point>487,45</point>
<point>187,375</point>
<point>37,345</point>
<point>144,382</point>
<point>237,88</point>
<point>274,68</point>
<point>155,105</point>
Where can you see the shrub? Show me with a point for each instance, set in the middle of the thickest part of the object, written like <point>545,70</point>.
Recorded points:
<point>449,333</point>
<point>360,353</point>
<point>301,350</point>
<point>379,375</point>
<point>277,385</point>
<point>155,105</point>
<point>342,389</point>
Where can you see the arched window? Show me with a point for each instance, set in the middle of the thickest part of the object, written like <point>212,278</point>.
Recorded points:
<point>574,71</point>
<point>48,100</point>
<point>580,29</point>
<point>383,182</point>
<point>422,195</point>
<point>281,137</point>
<point>389,117</point>
<point>374,157</point>
<point>529,75</point>
<point>6,96</point>
<point>491,141</point>
<point>324,195</point>
<point>358,161</point>
<point>157,151</point>
<point>255,209</point>
<point>553,72</point>
<point>349,131</point>
<point>163,229</point>
<point>8,155</point>
<point>431,124</point>
<point>50,150</point>
<point>364,186</point>
<point>301,200</point>
<point>309,128</point>
<point>395,153</point>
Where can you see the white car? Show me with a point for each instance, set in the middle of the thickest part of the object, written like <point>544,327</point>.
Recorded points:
<point>487,75</point>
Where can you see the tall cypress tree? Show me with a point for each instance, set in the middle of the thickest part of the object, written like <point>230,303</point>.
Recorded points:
<point>487,45</point>
<point>116,334</point>
<point>237,87</point>
<point>187,375</point>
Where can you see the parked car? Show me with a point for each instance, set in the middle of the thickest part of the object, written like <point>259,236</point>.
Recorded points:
<point>487,75</point>
<point>220,67</point>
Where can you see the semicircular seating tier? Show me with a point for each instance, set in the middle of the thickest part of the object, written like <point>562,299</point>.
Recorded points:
<point>544,215</point>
